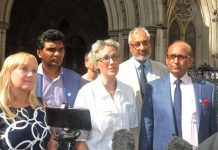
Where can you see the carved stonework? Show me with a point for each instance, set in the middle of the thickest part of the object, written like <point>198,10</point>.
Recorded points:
<point>215,18</point>
<point>135,3</point>
<point>122,4</point>
<point>4,25</point>
<point>164,2</point>
<point>183,10</point>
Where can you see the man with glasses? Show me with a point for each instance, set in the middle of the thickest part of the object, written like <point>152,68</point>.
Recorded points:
<point>177,104</point>
<point>139,69</point>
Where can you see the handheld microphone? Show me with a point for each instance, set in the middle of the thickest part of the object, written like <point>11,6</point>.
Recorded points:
<point>123,140</point>
<point>177,143</point>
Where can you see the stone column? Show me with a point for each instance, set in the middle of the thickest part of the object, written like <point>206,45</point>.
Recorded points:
<point>214,27</point>
<point>118,36</point>
<point>161,44</point>
<point>3,27</point>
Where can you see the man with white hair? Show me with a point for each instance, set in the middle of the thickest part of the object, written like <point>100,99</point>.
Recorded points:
<point>130,70</point>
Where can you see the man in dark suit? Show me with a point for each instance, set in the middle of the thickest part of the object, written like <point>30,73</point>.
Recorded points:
<point>186,110</point>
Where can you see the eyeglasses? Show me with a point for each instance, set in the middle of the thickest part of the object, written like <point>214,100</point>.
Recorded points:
<point>179,57</point>
<point>106,58</point>
<point>138,44</point>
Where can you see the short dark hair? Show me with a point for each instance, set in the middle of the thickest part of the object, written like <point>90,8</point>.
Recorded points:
<point>50,35</point>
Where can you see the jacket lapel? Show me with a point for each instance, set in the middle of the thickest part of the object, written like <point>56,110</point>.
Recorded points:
<point>134,79</point>
<point>169,103</point>
<point>156,72</point>
<point>39,85</point>
<point>198,91</point>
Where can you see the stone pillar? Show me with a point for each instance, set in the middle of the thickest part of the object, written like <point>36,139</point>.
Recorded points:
<point>118,36</point>
<point>161,44</point>
<point>3,27</point>
<point>214,27</point>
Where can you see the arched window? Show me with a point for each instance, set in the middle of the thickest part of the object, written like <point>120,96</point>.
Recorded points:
<point>174,32</point>
<point>190,36</point>
<point>181,26</point>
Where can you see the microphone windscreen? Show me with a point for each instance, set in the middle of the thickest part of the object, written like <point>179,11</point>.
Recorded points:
<point>177,143</point>
<point>123,140</point>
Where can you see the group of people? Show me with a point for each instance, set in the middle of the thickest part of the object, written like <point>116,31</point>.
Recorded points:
<point>140,95</point>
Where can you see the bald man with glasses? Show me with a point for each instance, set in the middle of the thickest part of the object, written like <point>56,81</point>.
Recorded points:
<point>178,104</point>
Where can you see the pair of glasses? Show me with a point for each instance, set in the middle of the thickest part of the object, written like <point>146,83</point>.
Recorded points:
<point>179,57</point>
<point>138,44</point>
<point>106,58</point>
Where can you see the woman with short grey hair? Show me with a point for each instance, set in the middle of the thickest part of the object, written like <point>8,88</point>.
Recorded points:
<point>111,102</point>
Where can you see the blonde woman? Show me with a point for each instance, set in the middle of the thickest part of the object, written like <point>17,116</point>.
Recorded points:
<point>22,120</point>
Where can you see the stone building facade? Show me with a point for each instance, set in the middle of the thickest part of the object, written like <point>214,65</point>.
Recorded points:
<point>83,22</point>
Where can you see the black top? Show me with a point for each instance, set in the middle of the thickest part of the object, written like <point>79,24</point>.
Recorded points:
<point>29,131</point>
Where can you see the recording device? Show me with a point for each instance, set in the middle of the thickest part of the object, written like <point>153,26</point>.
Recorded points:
<point>69,122</point>
<point>75,119</point>
<point>123,140</point>
<point>177,143</point>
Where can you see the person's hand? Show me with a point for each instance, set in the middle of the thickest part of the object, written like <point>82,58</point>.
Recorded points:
<point>52,145</point>
<point>81,145</point>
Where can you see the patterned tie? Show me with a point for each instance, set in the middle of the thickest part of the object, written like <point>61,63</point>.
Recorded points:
<point>142,80</point>
<point>178,107</point>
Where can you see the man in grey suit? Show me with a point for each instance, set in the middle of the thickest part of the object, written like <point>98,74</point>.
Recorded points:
<point>129,71</point>
<point>186,110</point>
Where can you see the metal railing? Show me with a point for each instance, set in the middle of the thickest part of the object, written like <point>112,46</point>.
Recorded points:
<point>208,73</point>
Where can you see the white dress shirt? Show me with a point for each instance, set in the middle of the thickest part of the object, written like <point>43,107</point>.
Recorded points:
<point>147,69</point>
<point>189,122</point>
<point>107,115</point>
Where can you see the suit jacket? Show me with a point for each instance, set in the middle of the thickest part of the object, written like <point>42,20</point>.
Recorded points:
<point>157,125</point>
<point>210,143</point>
<point>72,82</point>
<point>128,74</point>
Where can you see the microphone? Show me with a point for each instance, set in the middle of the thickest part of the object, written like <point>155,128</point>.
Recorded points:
<point>123,140</point>
<point>177,143</point>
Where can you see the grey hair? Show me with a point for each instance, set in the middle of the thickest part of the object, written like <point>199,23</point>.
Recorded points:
<point>100,44</point>
<point>135,31</point>
<point>88,56</point>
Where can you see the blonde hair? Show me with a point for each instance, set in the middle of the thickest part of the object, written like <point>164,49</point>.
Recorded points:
<point>10,64</point>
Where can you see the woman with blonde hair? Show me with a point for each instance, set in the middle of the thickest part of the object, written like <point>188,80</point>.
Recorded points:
<point>22,119</point>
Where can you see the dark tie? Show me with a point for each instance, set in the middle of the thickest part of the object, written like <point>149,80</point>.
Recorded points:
<point>178,107</point>
<point>142,80</point>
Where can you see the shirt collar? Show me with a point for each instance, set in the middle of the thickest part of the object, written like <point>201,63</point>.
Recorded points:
<point>185,78</point>
<point>41,72</point>
<point>137,63</point>
<point>102,90</point>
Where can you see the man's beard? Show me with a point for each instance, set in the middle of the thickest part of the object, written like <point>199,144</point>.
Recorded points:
<point>142,58</point>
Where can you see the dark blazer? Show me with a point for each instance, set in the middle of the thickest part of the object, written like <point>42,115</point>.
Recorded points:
<point>72,82</point>
<point>157,121</point>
